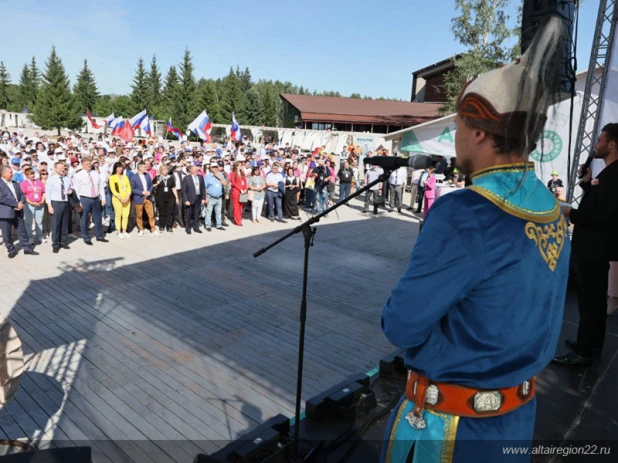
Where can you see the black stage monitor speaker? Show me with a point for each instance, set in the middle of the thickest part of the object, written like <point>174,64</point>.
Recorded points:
<point>345,401</point>
<point>535,14</point>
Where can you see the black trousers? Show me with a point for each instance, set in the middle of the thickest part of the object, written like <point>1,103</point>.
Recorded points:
<point>60,223</point>
<point>592,278</point>
<point>179,209</point>
<point>166,211</point>
<point>421,198</point>
<point>17,222</point>
<point>192,216</point>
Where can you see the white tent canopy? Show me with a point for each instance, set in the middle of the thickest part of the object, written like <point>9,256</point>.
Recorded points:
<point>438,138</point>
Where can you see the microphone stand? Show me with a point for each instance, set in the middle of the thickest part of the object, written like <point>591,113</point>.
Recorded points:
<point>308,231</point>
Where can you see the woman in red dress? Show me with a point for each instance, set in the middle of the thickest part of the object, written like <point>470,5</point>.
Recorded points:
<point>240,186</point>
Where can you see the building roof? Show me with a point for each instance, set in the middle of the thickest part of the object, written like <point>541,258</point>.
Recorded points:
<point>439,64</point>
<point>358,111</point>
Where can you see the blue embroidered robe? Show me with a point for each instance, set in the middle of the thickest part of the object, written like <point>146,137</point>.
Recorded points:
<point>480,305</point>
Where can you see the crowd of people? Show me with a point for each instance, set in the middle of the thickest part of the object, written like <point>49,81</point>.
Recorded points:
<point>54,189</point>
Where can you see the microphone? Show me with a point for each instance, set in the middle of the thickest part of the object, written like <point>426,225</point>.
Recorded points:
<point>586,166</point>
<point>418,161</point>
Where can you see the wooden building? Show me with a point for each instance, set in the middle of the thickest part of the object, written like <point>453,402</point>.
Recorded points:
<point>428,82</point>
<point>353,114</point>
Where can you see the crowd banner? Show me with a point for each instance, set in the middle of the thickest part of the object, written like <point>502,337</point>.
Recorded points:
<point>367,143</point>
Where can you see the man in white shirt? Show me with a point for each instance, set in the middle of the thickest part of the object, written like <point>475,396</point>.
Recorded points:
<point>396,185</point>
<point>90,189</point>
<point>272,193</point>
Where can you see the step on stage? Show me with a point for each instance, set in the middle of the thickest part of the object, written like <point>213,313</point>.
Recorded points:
<point>576,410</point>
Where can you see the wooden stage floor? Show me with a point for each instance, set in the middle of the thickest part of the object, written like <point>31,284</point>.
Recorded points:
<point>154,349</point>
<point>159,348</point>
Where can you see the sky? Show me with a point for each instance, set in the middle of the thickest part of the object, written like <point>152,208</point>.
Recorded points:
<point>350,46</point>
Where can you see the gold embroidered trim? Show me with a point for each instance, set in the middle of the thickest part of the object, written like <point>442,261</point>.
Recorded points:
<point>391,439</point>
<point>550,240</point>
<point>450,434</point>
<point>515,167</point>
<point>510,208</point>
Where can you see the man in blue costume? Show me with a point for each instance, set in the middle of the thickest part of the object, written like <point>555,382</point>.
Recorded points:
<point>479,307</point>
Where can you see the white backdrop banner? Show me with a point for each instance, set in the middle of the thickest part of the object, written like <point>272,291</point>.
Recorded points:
<point>436,137</point>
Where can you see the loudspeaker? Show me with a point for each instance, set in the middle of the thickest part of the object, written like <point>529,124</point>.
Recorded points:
<point>343,401</point>
<point>534,16</point>
<point>268,442</point>
<point>393,364</point>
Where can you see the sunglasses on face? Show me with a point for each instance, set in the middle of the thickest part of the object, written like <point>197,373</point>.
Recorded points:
<point>44,173</point>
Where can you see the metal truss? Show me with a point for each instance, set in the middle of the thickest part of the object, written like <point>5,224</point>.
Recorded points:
<point>600,57</point>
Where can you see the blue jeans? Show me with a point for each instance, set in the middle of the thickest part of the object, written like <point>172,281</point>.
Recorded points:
<point>109,208</point>
<point>94,206</point>
<point>273,197</point>
<point>32,213</point>
<point>344,190</point>
<point>216,204</point>
<point>321,200</point>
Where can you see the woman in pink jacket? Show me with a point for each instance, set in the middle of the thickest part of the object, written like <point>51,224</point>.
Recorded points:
<point>430,190</point>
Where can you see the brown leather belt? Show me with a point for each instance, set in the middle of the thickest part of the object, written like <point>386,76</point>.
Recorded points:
<point>465,401</point>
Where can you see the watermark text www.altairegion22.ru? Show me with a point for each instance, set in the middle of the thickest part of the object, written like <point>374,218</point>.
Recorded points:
<point>565,450</point>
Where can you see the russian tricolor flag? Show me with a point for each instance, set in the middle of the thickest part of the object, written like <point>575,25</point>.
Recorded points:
<point>118,124</point>
<point>173,130</point>
<point>235,134</point>
<point>145,126</point>
<point>201,126</point>
<point>136,120</point>
<point>109,119</point>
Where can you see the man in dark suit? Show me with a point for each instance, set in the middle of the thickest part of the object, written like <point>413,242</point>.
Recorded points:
<point>141,190</point>
<point>12,201</point>
<point>594,245</point>
<point>194,194</point>
<point>180,208</point>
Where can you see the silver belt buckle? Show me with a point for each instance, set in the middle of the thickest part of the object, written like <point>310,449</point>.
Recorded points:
<point>487,401</point>
<point>417,422</point>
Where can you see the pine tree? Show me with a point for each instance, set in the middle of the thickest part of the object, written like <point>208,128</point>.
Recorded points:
<point>85,90</point>
<point>35,77</point>
<point>186,99</point>
<point>233,99</point>
<point>208,100</point>
<point>139,93</point>
<point>245,79</point>
<point>5,81</point>
<point>254,108</point>
<point>154,89</point>
<point>25,86</point>
<point>170,92</point>
<point>56,106</point>
<point>269,105</point>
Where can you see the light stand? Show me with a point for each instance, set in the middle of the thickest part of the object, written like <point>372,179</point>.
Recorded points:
<point>309,234</point>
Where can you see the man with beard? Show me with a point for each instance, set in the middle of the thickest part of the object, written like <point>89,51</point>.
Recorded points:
<point>594,245</point>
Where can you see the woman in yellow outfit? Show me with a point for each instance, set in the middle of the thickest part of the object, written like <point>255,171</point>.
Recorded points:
<point>120,188</point>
